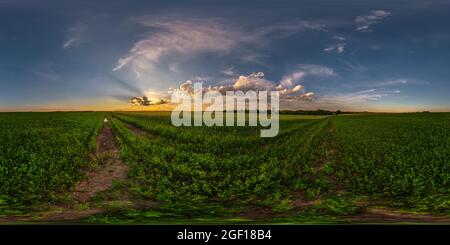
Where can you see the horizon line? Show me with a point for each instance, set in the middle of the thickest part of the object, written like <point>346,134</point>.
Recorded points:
<point>341,111</point>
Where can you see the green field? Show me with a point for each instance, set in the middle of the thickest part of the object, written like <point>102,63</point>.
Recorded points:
<point>318,169</point>
<point>43,154</point>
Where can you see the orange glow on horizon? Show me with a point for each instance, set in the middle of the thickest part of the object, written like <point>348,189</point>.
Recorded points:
<point>114,105</point>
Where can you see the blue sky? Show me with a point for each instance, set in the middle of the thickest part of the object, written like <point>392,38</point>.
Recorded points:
<point>348,55</point>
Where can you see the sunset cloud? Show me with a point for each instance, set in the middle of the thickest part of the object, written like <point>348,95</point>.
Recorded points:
<point>191,37</point>
<point>177,37</point>
<point>256,81</point>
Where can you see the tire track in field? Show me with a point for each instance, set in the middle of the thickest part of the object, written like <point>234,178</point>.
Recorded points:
<point>110,167</point>
<point>326,150</point>
<point>379,214</point>
<point>135,129</point>
<point>331,148</point>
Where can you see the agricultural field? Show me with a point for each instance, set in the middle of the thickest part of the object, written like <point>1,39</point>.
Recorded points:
<point>138,168</point>
<point>43,154</point>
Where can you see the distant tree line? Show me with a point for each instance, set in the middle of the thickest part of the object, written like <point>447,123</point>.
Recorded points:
<point>304,112</point>
<point>316,112</point>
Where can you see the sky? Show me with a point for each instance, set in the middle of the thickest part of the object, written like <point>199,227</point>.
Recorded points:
<point>386,56</point>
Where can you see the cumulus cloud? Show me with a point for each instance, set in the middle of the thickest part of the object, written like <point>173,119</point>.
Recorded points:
<point>187,86</point>
<point>254,81</point>
<point>288,87</point>
<point>364,23</point>
<point>145,101</point>
<point>149,98</point>
<point>289,79</point>
<point>295,93</point>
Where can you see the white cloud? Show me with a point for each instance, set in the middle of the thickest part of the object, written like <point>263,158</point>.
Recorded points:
<point>255,81</point>
<point>391,82</point>
<point>76,35</point>
<point>339,38</point>
<point>187,86</point>
<point>177,37</point>
<point>69,42</point>
<point>229,72</point>
<point>400,81</point>
<point>192,36</point>
<point>337,48</point>
<point>352,99</point>
<point>364,23</point>
<point>289,79</point>
<point>358,97</point>
<point>289,86</point>
<point>317,70</point>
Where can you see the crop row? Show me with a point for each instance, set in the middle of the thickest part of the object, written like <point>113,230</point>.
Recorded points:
<point>168,166</point>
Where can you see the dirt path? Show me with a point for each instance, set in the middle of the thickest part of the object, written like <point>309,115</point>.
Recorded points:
<point>389,215</point>
<point>110,168</point>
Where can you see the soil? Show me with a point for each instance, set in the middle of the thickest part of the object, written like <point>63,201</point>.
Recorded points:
<point>111,168</point>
